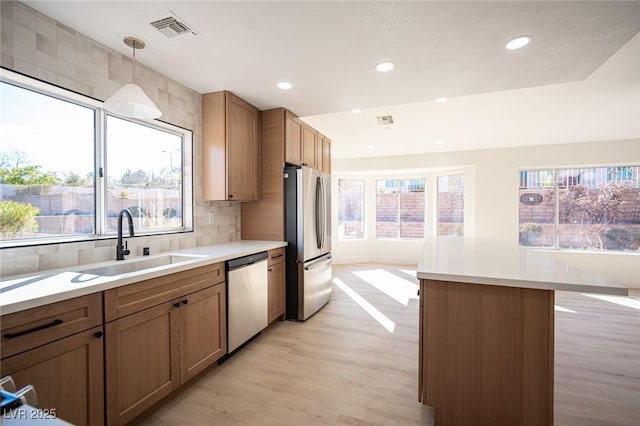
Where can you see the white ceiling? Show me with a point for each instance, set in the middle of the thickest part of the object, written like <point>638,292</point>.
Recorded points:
<point>555,90</point>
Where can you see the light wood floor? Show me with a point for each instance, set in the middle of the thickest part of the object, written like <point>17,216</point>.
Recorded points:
<point>344,367</point>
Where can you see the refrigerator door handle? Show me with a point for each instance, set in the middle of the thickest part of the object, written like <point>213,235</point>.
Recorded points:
<point>318,263</point>
<point>318,217</point>
<point>324,213</point>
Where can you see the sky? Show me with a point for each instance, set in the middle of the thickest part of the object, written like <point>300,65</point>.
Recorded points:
<point>59,136</point>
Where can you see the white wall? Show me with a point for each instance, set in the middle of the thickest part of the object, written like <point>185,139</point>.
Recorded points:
<point>491,190</point>
<point>36,45</point>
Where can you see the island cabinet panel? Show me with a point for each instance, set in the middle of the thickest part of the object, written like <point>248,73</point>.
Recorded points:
<point>132,298</point>
<point>35,327</point>
<point>230,148</point>
<point>67,374</point>
<point>486,356</point>
<point>142,355</point>
<point>203,333</point>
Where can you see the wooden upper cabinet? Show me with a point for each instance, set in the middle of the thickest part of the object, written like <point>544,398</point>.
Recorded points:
<point>230,148</point>
<point>309,144</point>
<point>293,139</point>
<point>324,153</point>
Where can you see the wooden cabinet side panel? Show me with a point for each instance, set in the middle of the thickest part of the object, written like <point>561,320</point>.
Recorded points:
<point>203,330</point>
<point>77,314</point>
<point>213,146</point>
<point>67,375</point>
<point>264,220</point>
<point>242,150</point>
<point>142,361</point>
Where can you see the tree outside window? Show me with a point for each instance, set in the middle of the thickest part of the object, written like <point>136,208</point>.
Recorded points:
<point>595,208</point>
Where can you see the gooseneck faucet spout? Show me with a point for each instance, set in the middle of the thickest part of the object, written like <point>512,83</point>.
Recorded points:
<point>121,250</point>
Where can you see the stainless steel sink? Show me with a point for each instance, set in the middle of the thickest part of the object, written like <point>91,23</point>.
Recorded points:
<point>137,265</point>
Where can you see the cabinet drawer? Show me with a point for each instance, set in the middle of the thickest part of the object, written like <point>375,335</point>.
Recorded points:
<point>37,326</point>
<point>275,256</point>
<point>132,298</point>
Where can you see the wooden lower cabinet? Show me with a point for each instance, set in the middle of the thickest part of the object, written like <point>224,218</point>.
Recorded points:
<point>276,274</point>
<point>203,331</point>
<point>151,353</point>
<point>67,375</point>
<point>276,284</point>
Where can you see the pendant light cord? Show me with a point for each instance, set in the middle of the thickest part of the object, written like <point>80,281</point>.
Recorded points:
<point>133,68</point>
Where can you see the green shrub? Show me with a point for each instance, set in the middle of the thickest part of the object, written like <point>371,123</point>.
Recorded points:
<point>16,218</point>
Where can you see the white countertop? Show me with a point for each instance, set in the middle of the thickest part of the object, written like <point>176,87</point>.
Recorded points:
<point>492,262</point>
<point>18,293</point>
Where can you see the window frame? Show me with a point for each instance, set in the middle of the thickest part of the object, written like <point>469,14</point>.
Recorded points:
<point>436,182</point>
<point>99,166</point>
<point>397,179</point>
<point>557,187</point>
<point>364,207</point>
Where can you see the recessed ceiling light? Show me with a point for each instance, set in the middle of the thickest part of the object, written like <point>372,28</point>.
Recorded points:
<point>442,99</point>
<point>439,142</point>
<point>384,66</point>
<point>371,147</point>
<point>518,42</point>
<point>285,85</point>
<point>355,110</point>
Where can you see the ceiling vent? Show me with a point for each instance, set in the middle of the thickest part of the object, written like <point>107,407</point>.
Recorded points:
<point>385,120</point>
<point>172,26</point>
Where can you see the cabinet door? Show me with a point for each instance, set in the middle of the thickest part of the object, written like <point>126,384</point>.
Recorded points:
<point>309,143</point>
<point>142,361</point>
<point>326,155</point>
<point>67,375</point>
<point>203,330</point>
<point>293,139</point>
<point>242,150</point>
<point>276,291</point>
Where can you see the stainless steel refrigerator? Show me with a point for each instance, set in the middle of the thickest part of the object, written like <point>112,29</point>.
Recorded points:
<point>308,232</point>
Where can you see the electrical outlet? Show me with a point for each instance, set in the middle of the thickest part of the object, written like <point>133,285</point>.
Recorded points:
<point>211,218</point>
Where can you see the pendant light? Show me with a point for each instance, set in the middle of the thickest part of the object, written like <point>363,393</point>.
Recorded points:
<point>130,100</point>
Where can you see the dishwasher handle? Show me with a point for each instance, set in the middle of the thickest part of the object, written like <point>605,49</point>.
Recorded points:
<point>243,261</point>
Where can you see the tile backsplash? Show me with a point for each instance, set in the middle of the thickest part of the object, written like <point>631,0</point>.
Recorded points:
<point>36,45</point>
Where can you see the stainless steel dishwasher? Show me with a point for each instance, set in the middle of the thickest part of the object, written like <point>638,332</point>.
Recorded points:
<point>247,298</point>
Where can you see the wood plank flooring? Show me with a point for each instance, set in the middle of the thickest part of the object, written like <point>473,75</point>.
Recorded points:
<point>356,363</point>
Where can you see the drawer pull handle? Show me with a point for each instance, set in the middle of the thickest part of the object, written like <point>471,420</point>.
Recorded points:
<point>33,330</point>
<point>98,334</point>
<point>177,304</point>
<point>276,256</point>
<point>185,301</point>
<point>270,269</point>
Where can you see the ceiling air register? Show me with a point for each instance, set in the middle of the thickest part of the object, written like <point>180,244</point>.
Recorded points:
<point>172,26</point>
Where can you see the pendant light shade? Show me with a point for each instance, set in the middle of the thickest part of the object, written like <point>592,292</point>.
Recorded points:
<point>130,100</point>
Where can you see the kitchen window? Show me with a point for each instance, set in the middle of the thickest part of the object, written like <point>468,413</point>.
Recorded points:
<point>400,208</point>
<point>591,208</point>
<point>351,209</point>
<point>451,205</point>
<point>67,168</point>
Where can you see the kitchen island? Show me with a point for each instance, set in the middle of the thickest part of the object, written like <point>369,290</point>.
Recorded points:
<point>487,326</point>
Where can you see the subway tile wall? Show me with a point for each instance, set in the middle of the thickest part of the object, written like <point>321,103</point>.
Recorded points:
<point>36,45</point>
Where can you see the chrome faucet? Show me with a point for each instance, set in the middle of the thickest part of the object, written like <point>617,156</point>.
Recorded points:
<point>121,250</point>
